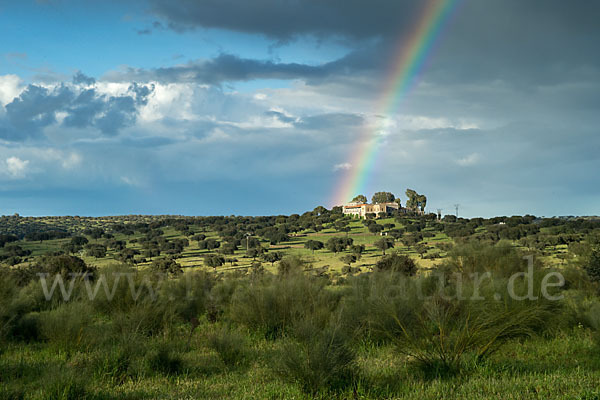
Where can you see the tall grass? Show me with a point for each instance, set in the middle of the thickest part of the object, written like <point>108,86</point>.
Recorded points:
<point>272,305</point>
<point>316,358</point>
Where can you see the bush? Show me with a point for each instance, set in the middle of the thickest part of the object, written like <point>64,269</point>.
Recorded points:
<point>291,265</point>
<point>64,265</point>
<point>120,359</point>
<point>439,330</point>
<point>164,360</point>
<point>64,386</point>
<point>501,259</point>
<point>68,326</point>
<point>316,358</point>
<point>397,263</point>
<point>230,345</point>
<point>271,305</point>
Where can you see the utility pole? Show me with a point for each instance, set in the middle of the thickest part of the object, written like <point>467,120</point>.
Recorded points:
<point>247,240</point>
<point>456,207</point>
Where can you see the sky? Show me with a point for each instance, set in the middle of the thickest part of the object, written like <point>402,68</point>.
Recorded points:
<point>237,107</point>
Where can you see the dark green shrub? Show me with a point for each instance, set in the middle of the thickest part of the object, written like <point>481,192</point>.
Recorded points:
<point>68,326</point>
<point>271,305</point>
<point>396,263</point>
<point>63,386</point>
<point>439,329</point>
<point>291,265</point>
<point>164,360</point>
<point>316,358</point>
<point>119,360</point>
<point>230,345</point>
<point>148,318</point>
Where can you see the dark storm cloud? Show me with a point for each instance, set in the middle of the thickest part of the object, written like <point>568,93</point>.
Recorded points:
<point>37,106</point>
<point>525,42</point>
<point>229,68</point>
<point>284,20</point>
<point>223,68</point>
<point>80,78</point>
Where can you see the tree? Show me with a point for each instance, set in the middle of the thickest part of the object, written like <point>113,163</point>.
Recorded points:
<point>313,245</point>
<point>272,257</point>
<point>382,197</point>
<point>63,265</point>
<point>396,234</point>
<point>337,244</point>
<point>592,266</point>
<point>208,244</point>
<point>411,239</point>
<point>375,228</point>
<point>357,250</point>
<point>421,249</point>
<point>127,255</point>
<point>359,199</point>
<point>320,210</point>
<point>96,250</point>
<point>70,248</point>
<point>214,261</point>
<point>94,233</point>
<point>255,252</point>
<point>396,263</point>
<point>228,249</point>
<point>79,240</point>
<point>198,237</point>
<point>167,266</point>
<point>383,244</point>
<point>415,201</point>
<point>348,259</point>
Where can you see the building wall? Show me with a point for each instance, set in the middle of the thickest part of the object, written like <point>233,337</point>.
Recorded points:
<point>364,209</point>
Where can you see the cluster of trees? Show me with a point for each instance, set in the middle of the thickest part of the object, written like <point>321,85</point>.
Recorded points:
<point>415,202</point>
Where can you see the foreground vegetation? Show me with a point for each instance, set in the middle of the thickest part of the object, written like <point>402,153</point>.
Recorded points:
<point>247,309</point>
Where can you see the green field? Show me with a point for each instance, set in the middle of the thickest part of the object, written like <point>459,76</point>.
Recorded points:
<point>302,325</point>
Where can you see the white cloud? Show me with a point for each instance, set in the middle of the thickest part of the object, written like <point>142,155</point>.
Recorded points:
<point>10,87</point>
<point>342,166</point>
<point>469,160</point>
<point>260,96</point>
<point>15,167</point>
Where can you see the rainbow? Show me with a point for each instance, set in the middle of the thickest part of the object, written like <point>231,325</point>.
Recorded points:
<point>407,67</point>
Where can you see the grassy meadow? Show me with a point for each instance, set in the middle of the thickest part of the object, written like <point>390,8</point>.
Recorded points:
<point>242,307</point>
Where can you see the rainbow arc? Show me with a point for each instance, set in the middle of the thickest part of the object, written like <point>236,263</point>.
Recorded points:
<point>407,67</point>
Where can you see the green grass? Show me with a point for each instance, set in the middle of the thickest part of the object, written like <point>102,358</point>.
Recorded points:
<point>567,366</point>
